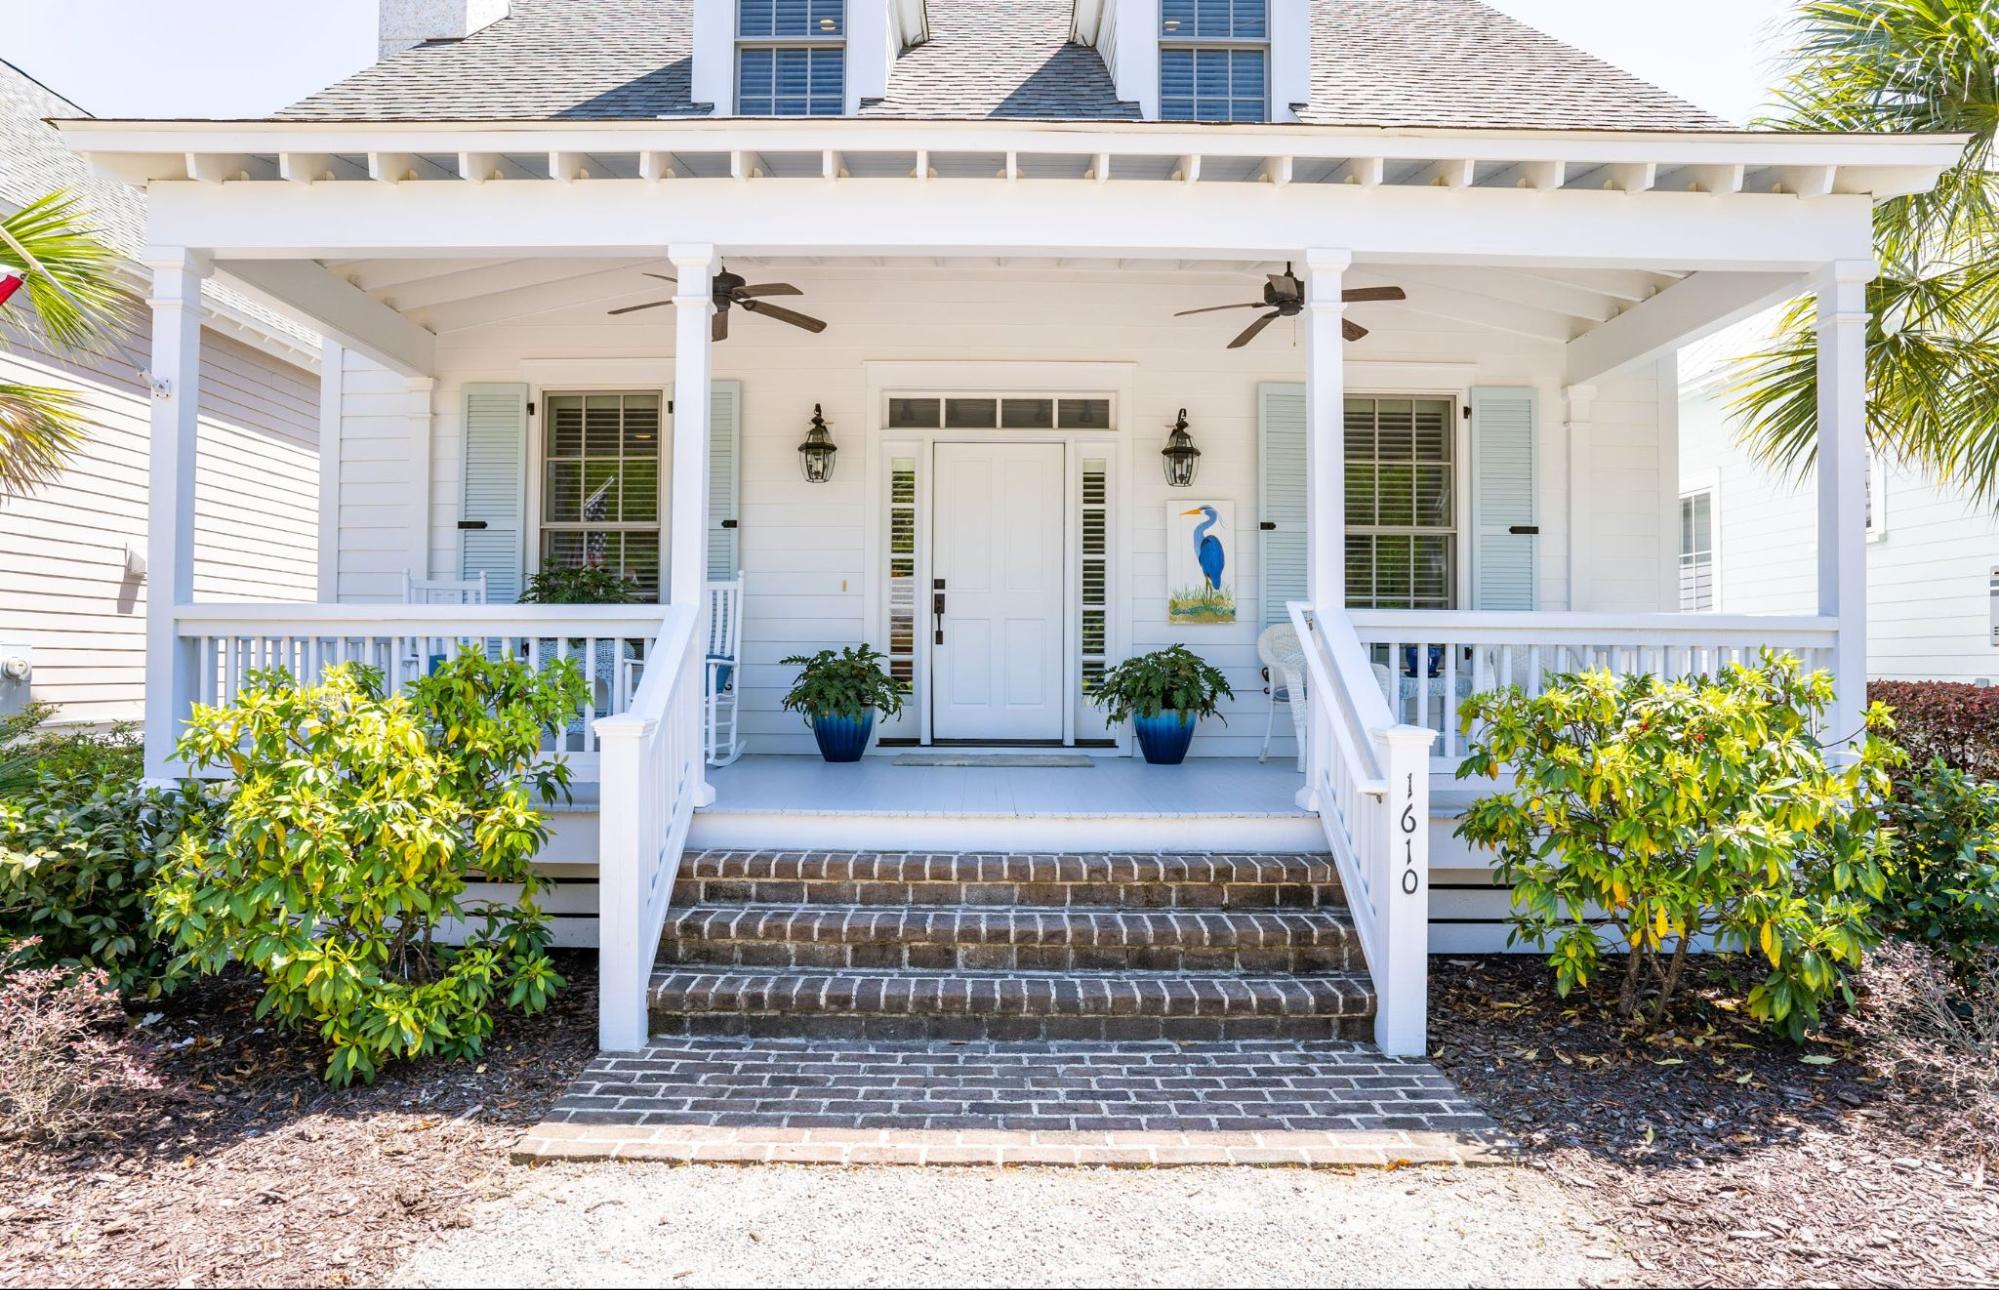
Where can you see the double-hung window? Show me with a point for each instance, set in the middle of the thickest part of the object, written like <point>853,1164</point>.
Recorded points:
<point>1697,551</point>
<point>600,486</point>
<point>1214,60</point>
<point>1401,504</point>
<point>791,57</point>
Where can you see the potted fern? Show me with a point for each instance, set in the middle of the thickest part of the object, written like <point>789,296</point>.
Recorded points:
<point>1165,694</point>
<point>838,694</point>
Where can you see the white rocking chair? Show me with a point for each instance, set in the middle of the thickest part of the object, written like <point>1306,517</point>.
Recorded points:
<point>724,670</point>
<point>425,652</point>
<point>1284,673</point>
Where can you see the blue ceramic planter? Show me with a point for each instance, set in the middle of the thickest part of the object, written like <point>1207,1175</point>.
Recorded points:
<point>842,738</point>
<point>1164,738</point>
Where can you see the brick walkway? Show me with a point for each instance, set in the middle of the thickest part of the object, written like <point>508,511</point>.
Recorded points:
<point>755,1100</point>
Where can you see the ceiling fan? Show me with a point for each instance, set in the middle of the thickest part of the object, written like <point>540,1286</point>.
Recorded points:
<point>734,289</point>
<point>1284,295</point>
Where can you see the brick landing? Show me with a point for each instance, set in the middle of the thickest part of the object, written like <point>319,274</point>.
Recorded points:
<point>1135,1104</point>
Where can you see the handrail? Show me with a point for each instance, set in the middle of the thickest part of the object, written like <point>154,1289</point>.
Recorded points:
<point>651,773</point>
<point>225,618</point>
<point>1369,780</point>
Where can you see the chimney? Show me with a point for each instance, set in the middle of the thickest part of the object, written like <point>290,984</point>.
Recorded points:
<point>405,24</point>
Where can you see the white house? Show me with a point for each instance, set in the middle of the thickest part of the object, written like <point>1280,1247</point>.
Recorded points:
<point>1467,470</point>
<point>1747,539</point>
<point>73,554</point>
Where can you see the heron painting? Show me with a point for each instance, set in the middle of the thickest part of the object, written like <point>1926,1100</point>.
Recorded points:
<point>1200,573</point>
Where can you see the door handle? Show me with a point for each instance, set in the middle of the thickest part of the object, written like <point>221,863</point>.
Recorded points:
<point>937,616</point>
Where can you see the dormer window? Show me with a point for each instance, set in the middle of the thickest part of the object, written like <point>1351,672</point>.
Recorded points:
<point>791,57</point>
<point>1214,60</point>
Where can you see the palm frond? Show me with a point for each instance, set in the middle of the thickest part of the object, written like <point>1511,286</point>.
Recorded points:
<point>71,274</point>
<point>40,426</point>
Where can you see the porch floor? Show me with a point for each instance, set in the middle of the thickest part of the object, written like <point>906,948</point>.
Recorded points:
<point>1113,804</point>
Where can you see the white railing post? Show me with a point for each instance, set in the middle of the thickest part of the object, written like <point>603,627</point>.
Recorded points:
<point>624,963</point>
<point>1402,885</point>
<point>1842,483</point>
<point>175,377</point>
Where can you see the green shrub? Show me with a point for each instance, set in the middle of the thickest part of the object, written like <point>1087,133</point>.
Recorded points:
<point>1943,887</point>
<point>1675,811</point>
<point>1173,678</point>
<point>849,683</point>
<point>80,839</point>
<point>580,585</point>
<point>353,826</point>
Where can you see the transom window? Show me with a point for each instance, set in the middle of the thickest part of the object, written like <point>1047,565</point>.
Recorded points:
<point>791,57</point>
<point>999,412</point>
<point>1214,60</point>
<point>1401,504</point>
<point>600,485</point>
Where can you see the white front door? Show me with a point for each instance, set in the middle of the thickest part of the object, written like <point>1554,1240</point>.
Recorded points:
<point>996,649</point>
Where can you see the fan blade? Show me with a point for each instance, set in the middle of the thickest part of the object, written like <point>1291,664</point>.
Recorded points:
<point>1351,330</point>
<point>1249,332</point>
<point>768,289</point>
<point>718,328</point>
<point>1374,293</point>
<point>1254,304</point>
<point>663,278</point>
<point>632,309</point>
<point>1287,286</point>
<point>782,314</point>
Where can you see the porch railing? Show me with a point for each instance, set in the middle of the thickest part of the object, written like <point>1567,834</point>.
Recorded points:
<point>223,643</point>
<point>651,782</point>
<point>1426,663</point>
<point>1369,780</point>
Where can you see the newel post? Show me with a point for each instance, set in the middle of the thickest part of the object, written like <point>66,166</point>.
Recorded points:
<point>1325,472</point>
<point>1402,978</point>
<point>624,964</point>
<point>174,375</point>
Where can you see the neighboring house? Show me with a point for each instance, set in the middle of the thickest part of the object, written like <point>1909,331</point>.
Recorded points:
<point>1747,543</point>
<point>73,553</point>
<point>1451,459</point>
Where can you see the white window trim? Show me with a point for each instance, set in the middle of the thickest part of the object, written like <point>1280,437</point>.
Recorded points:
<point>538,395</point>
<point>1461,482</point>
<point>1709,482</point>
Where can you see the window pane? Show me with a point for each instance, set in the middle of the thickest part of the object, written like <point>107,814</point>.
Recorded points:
<point>971,414</point>
<point>641,431</point>
<point>1086,414</point>
<point>565,426</point>
<point>640,502</point>
<point>913,414</point>
<point>1176,17</point>
<point>600,490</point>
<point>1028,414</point>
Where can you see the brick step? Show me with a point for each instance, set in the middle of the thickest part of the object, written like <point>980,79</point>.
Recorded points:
<point>916,1005</point>
<point>1142,881</point>
<point>1023,939</point>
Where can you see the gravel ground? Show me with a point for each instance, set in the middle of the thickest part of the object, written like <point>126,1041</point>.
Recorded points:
<point>644,1225</point>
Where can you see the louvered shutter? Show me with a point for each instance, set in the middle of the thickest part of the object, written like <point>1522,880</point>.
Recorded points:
<point>1505,530</point>
<point>1281,536</point>
<point>493,512</point>
<point>725,450</point>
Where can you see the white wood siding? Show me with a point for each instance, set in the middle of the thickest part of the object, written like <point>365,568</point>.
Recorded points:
<point>803,546</point>
<point>382,488</point>
<point>63,583</point>
<point>1928,598</point>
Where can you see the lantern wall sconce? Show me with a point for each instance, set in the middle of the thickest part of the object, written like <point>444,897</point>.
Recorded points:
<point>815,455</point>
<point>1182,458</point>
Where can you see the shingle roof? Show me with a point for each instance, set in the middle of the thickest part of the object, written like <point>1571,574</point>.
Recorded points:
<point>34,162</point>
<point>1445,63</point>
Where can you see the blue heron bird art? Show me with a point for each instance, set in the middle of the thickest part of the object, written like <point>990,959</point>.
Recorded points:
<point>1199,589</point>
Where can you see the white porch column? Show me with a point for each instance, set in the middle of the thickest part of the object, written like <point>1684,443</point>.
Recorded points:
<point>693,372</point>
<point>175,376</point>
<point>1325,467</point>
<point>1842,481</point>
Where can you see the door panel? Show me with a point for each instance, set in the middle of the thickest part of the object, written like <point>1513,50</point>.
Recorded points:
<point>999,515</point>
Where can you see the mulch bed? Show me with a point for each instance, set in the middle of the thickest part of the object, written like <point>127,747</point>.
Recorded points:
<point>1721,1155</point>
<point>254,1172</point>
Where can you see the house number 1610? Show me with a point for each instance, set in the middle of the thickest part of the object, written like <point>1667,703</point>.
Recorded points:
<point>1410,880</point>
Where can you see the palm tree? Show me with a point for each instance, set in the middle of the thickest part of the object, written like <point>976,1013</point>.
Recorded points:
<point>71,287</point>
<point>1933,329</point>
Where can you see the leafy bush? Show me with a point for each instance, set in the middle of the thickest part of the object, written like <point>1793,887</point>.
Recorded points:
<point>80,839</point>
<point>849,683</point>
<point>355,823</point>
<point>65,1070</point>
<point>1939,1029</point>
<point>1174,678</point>
<point>1946,720</point>
<point>1943,888</point>
<point>581,585</point>
<point>1677,811</point>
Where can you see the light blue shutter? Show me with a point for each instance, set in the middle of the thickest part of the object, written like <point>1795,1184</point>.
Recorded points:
<point>495,497</point>
<point>725,450</point>
<point>1280,509</point>
<point>1504,526</point>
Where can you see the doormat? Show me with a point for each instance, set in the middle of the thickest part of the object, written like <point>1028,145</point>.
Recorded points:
<point>1032,761</point>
